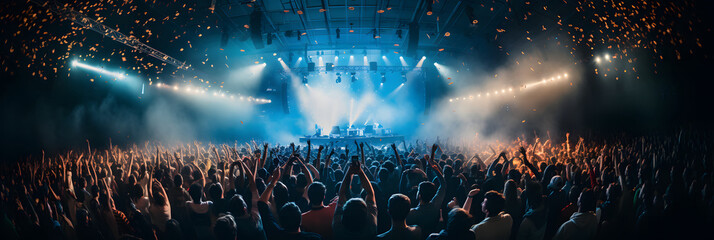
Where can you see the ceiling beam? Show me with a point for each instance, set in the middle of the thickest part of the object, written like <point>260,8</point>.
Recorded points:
<point>326,6</point>
<point>270,22</point>
<point>455,14</point>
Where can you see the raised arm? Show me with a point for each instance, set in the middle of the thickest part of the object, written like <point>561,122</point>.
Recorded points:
<point>203,178</point>
<point>366,185</point>
<point>265,155</point>
<point>253,189</point>
<point>265,197</point>
<point>309,150</point>
<point>342,195</point>
<point>316,163</point>
<point>469,200</point>
<point>396,155</point>
<point>308,175</point>
<point>528,164</point>
<point>493,164</point>
<point>441,192</point>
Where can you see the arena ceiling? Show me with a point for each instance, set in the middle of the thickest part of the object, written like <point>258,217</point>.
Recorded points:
<point>377,24</point>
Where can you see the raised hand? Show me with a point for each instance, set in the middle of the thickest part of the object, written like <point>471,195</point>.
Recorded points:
<point>474,191</point>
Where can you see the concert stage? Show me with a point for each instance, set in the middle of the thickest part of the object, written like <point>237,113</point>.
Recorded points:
<point>372,140</point>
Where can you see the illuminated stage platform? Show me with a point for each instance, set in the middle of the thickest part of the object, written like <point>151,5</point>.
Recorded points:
<point>372,140</point>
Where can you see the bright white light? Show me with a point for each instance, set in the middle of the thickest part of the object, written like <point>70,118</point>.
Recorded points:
<point>300,58</point>
<point>451,100</point>
<point>503,90</point>
<point>280,59</point>
<point>597,59</point>
<point>510,89</point>
<point>607,56</point>
<point>176,88</point>
<point>423,57</point>
<point>565,75</point>
<point>384,56</point>
<point>401,60</point>
<point>158,85</point>
<point>96,69</point>
<point>421,61</point>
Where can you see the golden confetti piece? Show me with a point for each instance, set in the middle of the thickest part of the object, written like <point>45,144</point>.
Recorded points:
<point>351,8</point>
<point>380,11</point>
<point>241,122</point>
<point>524,121</point>
<point>447,34</point>
<point>451,83</point>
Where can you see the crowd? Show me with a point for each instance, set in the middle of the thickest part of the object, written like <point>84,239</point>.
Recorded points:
<point>539,189</point>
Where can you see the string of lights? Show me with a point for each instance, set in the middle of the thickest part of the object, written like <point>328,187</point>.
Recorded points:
<point>510,90</point>
<point>218,94</point>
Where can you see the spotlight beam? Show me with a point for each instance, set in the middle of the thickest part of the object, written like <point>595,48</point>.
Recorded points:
<point>96,69</point>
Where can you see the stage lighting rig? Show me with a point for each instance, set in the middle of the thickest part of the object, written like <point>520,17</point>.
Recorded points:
<point>353,78</point>
<point>384,78</point>
<point>304,79</point>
